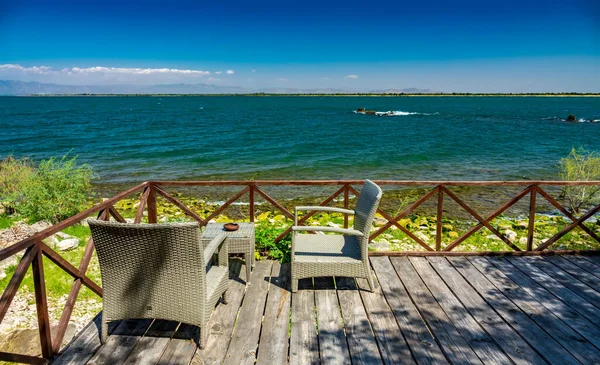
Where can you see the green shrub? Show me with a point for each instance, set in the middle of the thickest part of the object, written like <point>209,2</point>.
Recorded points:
<point>13,175</point>
<point>57,190</point>
<point>580,165</point>
<point>265,235</point>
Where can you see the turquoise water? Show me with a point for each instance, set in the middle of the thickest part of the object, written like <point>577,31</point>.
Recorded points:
<point>132,139</point>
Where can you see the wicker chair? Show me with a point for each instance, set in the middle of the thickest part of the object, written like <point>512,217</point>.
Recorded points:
<point>316,255</point>
<point>159,271</point>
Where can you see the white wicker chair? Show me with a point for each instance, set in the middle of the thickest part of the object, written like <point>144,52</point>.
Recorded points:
<point>344,254</point>
<point>159,271</point>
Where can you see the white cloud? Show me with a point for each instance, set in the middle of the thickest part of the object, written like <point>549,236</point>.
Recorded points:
<point>325,78</point>
<point>229,72</point>
<point>218,72</point>
<point>103,70</point>
<point>352,77</point>
<point>99,74</point>
<point>283,79</point>
<point>213,79</point>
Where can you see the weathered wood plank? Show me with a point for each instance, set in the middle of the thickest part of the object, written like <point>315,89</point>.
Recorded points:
<point>455,347</point>
<point>479,340</point>
<point>84,344</point>
<point>581,274</point>
<point>244,341</point>
<point>361,341</point>
<point>535,336</point>
<point>422,344</point>
<point>391,343</point>
<point>182,347</point>
<point>563,311</point>
<point>569,281</point>
<point>149,348</point>
<point>506,337</point>
<point>222,321</point>
<point>568,337</point>
<point>304,344</point>
<point>120,342</point>
<point>333,346</point>
<point>565,294</point>
<point>273,346</point>
<point>595,259</point>
<point>585,264</point>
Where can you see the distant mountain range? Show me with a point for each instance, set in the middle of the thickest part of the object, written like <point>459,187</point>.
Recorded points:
<point>12,87</point>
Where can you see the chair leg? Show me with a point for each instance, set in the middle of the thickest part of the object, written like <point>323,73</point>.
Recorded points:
<point>103,332</point>
<point>294,285</point>
<point>370,280</point>
<point>226,297</point>
<point>203,335</point>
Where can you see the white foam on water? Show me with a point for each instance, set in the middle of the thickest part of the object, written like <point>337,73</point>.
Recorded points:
<point>396,113</point>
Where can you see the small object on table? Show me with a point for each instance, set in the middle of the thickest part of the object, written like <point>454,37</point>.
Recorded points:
<point>231,226</point>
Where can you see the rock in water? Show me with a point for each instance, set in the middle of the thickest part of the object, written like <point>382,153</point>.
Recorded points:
<point>571,118</point>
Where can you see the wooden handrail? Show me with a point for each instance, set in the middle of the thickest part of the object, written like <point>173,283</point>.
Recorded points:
<point>36,248</point>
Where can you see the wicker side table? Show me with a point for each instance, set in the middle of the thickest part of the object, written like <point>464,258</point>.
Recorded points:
<point>240,241</point>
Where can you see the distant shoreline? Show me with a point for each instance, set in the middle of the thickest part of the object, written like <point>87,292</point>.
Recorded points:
<point>594,95</point>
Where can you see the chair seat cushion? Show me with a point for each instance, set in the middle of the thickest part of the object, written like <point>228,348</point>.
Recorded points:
<point>328,248</point>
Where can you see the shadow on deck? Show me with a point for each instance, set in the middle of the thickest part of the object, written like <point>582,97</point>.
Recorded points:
<point>459,310</point>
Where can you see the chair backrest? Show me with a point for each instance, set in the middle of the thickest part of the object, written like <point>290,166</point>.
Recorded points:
<point>150,270</point>
<point>366,207</point>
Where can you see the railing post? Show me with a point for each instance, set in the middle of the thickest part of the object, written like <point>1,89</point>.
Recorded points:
<point>438,230</point>
<point>151,204</point>
<point>346,191</point>
<point>531,227</point>
<point>41,302</point>
<point>251,202</point>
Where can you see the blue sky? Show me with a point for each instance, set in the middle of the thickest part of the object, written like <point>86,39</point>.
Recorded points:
<point>463,46</point>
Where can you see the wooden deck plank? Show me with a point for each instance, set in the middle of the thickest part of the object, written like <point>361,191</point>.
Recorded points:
<point>182,347</point>
<point>535,335</point>
<point>568,280</point>
<point>558,329</point>
<point>565,294</point>
<point>83,346</point>
<point>595,259</point>
<point>304,344</point>
<point>455,347</point>
<point>547,300</point>
<point>148,349</point>
<point>361,341</point>
<point>479,340</point>
<point>506,337</point>
<point>582,262</point>
<point>244,341</point>
<point>222,321</point>
<point>120,343</point>
<point>273,346</point>
<point>390,341</point>
<point>332,342</point>
<point>577,272</point>
<point>422,344</point>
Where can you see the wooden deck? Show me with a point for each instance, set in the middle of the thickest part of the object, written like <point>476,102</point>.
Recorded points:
<point>426,310</point>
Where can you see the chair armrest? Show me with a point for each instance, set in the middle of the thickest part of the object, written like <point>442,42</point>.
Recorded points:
<point>326,209</point>
<point>213,245</point>
<point>346,231</point>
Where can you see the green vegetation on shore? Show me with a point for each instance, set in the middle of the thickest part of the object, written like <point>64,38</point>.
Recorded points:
<point>53,190</point>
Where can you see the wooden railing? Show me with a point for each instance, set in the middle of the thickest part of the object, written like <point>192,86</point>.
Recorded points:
<point>34,247</point>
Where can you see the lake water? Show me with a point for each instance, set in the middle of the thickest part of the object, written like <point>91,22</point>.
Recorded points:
<point>132,139</point>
